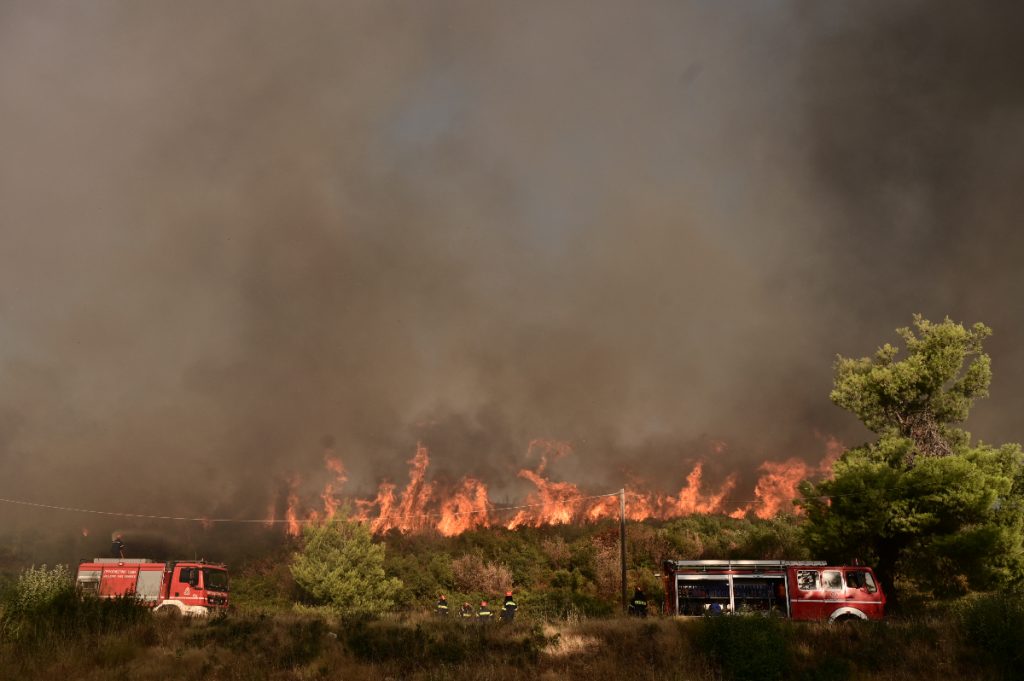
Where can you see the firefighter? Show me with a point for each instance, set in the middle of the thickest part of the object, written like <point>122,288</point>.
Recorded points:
<point>638,606</point>
<point>484,614</point>
<point>508,608</point>
<point>466,611</point>
<point>442,606</point>
<point>117,547</point>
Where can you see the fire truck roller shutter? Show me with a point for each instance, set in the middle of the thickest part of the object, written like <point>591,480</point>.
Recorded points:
<point>148,586</point>
<point>89,581</point>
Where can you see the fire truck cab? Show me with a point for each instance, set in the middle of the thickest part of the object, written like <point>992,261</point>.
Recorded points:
<point>188,587</point>
<point>801,590</point>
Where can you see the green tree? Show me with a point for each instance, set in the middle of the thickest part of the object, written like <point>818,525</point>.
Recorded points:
<point>340,566</point>
<point>921,502</point>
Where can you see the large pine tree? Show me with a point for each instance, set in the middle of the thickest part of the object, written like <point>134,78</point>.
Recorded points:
<point>921,503</point>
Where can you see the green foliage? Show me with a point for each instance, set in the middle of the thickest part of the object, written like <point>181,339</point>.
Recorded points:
<point>39,595</point>
<point>888,395</point>
<point>708,537</point>
<point>578,565</point>
<point>68,616</point>
<point>39,587</point>
<point>992,626</point>
<point>564,603</point>
<point>423,576</point>
<point>265,585</point>
<point>340,566</point>
<point>754,648</point>
<point>921,503</point>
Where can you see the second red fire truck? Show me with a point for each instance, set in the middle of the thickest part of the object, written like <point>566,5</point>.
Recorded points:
<point>801,590</point>
<point>185,587</point>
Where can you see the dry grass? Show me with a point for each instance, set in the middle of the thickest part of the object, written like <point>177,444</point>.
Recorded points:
<point>300,647</point>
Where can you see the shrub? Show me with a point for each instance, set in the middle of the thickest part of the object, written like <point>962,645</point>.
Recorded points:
<point>37,590</point>
<point>563,603</point>
<point>39,587</point>
<point>340,566</point>
<point>754,648</point>
<point>68,616</point>
<point>992,626</point>
<point>472,574</point>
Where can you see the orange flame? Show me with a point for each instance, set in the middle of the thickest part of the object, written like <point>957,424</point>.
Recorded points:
<point>291,513</point>
<point>466,509</point>
<point>425,505</point>
<point>331,502</point>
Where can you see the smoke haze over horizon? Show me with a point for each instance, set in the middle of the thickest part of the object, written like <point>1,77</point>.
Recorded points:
<point>234,235</point>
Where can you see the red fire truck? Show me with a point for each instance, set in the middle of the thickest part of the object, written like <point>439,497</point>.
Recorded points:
<point>802,590</point>
<point>188,587</point>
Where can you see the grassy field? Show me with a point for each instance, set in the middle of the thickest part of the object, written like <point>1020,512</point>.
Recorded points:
<point>565,628</point>
<point>113,642</point>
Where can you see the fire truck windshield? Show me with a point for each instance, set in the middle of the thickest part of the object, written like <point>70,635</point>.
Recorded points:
<point>216,580</point>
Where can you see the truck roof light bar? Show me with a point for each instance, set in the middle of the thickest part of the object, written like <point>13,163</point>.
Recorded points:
<point>742,563</point>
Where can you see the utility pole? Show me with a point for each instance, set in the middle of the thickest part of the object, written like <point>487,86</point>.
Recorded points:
<point>622,542</point>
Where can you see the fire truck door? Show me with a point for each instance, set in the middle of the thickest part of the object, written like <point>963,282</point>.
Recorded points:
<point>833,593</point>
<point>862,592</point>
<point>185,586</point>
<point>180,587</point>
<point>808,594</point>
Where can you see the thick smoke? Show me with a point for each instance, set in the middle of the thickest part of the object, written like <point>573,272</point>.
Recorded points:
<point>235,235</point>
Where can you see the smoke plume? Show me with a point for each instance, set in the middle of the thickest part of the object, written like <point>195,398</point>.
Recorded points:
<point>236,236</point>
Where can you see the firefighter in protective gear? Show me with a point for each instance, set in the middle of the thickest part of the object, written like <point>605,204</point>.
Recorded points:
<point>466,611</point>
<point>117,547</point>
<point>442,606</point>
<point>508,608</point>
<point>484,614</point>
<point>638,606</point>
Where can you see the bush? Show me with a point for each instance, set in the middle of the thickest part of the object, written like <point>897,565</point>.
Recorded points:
<point>39,587</point>
<point>992,626</point>
<point>340,566</point>
<point>563,603</point>
<point>68,616</point>
<point>754,648</point>
<point>471,574</point>
<point>264,586</point>
<point>36,591</point>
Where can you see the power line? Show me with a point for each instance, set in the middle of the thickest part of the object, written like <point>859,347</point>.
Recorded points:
<point>303,521</point>
<point>268,521</point>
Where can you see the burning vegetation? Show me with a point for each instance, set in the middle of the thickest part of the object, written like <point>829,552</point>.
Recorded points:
<point>428,505</point>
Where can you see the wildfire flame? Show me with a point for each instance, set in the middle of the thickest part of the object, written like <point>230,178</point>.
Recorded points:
<point>425,505</point>
<point>291,514</point>
<point>331,502</point>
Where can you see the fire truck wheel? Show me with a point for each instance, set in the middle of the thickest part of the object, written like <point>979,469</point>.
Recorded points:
<point>169,611</point>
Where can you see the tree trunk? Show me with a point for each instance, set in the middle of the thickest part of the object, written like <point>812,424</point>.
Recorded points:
<point>885,570</point>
